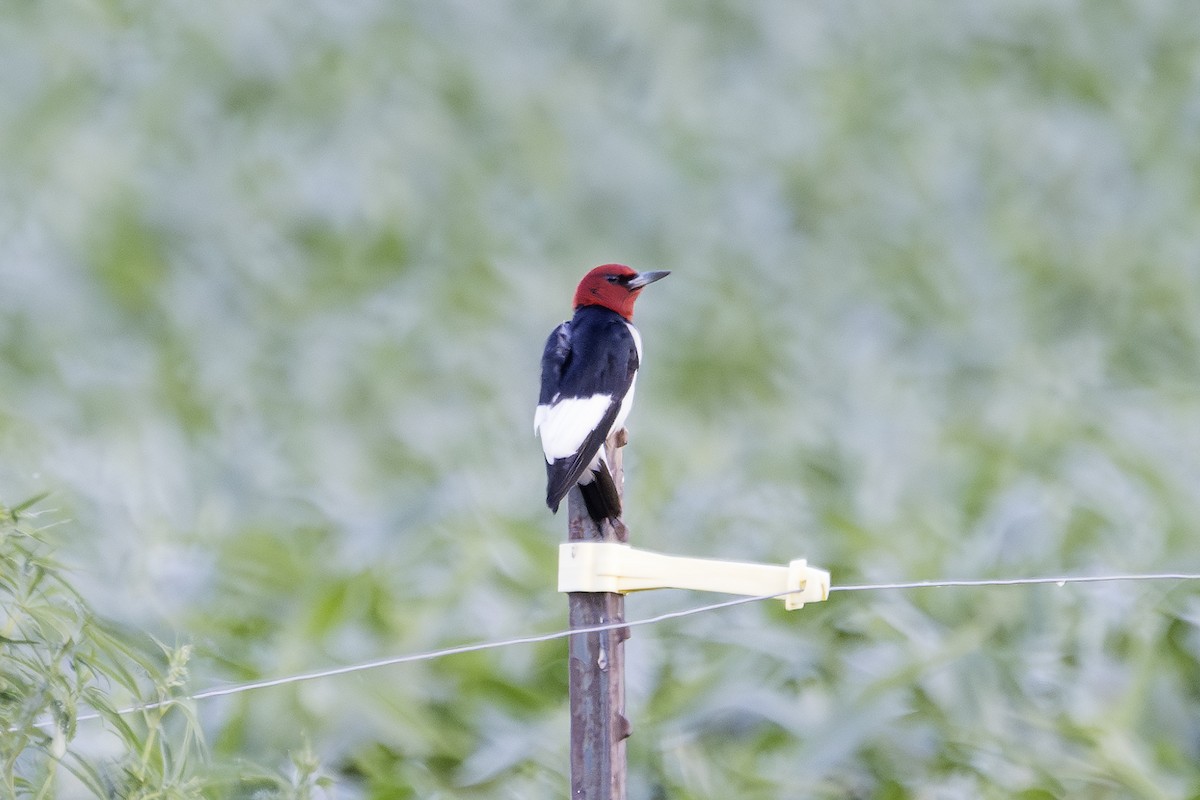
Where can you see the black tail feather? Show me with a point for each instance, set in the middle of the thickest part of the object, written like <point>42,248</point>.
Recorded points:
<point>601,496</point>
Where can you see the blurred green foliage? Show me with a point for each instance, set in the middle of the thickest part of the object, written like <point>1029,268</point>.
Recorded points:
<point>275,280</point>
<point>57,661</point>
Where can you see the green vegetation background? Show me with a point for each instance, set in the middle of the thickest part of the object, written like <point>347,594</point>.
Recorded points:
<point>274,281</point>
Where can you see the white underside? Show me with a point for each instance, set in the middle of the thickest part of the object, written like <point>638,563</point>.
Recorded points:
<point>637,340</point>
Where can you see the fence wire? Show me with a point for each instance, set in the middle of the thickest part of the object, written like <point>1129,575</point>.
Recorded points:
<point>431,655</point>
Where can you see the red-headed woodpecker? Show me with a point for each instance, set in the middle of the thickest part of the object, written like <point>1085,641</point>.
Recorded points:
<point>589,369</point>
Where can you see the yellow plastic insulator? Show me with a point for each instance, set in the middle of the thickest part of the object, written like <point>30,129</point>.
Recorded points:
<point>621,568</point>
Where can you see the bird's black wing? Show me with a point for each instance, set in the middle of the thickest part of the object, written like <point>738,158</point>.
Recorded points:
<point>601,359</point>
<point>556,358</point>
<point>564,473</point>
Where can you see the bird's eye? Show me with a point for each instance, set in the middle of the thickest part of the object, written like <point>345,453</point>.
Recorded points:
<point>611,278</point>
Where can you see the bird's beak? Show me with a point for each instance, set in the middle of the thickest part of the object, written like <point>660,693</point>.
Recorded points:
<point>646,278</point>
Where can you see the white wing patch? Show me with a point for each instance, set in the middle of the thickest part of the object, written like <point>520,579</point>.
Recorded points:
<point>564,424</point>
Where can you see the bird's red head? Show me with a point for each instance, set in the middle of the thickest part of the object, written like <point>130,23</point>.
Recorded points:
<point>615,287</point>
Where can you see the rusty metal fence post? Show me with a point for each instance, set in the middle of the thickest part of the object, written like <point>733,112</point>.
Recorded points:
<point>597,661</point>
